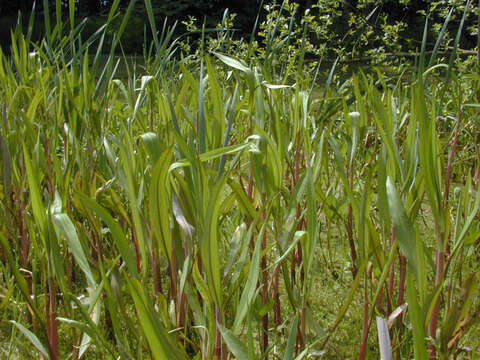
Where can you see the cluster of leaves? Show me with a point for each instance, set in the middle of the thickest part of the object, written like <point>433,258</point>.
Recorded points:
<point>288,35</point>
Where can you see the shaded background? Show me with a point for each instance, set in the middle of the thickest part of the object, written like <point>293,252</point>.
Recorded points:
<point>410,12</point>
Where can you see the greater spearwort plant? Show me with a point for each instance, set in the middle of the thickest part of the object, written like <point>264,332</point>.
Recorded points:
<point>212,205</point>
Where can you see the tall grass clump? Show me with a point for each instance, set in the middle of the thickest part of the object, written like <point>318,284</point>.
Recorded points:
<point>210,206</point>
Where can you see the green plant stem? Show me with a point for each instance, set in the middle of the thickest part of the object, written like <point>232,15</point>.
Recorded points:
<point>439,274</point>
<point>401,297</point>
<point>391,277</point>
<point>157,276</point>
<point>263,270</point>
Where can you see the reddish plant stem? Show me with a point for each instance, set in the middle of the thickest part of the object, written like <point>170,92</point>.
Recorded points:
<point>353,252</point>
<point>380,307</point>
<point>365,324</point>
<point>181,310</point>
<point>296,254</point>
<point>218,351</point>
<point>391,278</point>
<point>276,296</point>
<point>302,329</point>
<point>52,324</point>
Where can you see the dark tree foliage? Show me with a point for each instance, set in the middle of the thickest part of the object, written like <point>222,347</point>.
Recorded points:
<point>91,7</point>
<point>8,7</point>
<point>411,13</point>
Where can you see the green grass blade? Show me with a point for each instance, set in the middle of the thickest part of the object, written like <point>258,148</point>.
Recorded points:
<point>118,235</point>
<point>292,337</point>
<point>134,202</point>
<point>441,35</point>
<point>32,338</point>
<point>404,229</point>
<point>423,49</point>
<point>227,132</point>
<point>158,339</point>
<point>151,20</point>
<point>38,208</point>
<point>65,226</point>
<point>453,56</point>
<point>160,193</point>
<point>417,320</point>
<point>250,286</point>
<point>46,18</point>
<point>201,114</point>
<point>236,346</point>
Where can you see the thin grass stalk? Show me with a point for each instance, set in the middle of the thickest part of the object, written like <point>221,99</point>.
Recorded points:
<point>265,297</point>
<point>157,275</point>
<point>351,241</point>
<point>51,305</point>
<point>401,296</point>
<point>219,351</point>
<point>439,275</point>
<point>277,316</point>
<point>391,277</point>
<point>453,148</point>
<point>302,328</point>
<point>365,323</point>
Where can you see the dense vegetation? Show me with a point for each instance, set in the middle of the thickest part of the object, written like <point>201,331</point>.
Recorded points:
<point>225,197</point>
<point>358,31</point>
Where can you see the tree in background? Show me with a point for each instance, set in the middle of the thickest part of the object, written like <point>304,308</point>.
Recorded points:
<point>352,30</point>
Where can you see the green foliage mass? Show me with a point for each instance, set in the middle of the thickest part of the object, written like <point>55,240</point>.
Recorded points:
<point>224,197</point>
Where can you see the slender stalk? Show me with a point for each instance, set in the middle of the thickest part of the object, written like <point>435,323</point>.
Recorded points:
<point>265,297</point>
<point>217,353</point>
<point>157,276</point>
<point>135,243</point>
<point>432,326</point>
<point>365,324</point>
<point>401,297</point>
<point>351,242</point>
<point>391,277</point>
<point>276,296</point>
<point>52,322</point>
<point>302,329</point>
